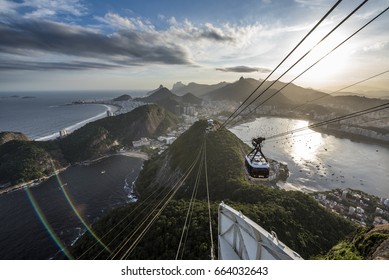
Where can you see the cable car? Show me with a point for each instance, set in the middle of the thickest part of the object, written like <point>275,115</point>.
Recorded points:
<point>256,163</point>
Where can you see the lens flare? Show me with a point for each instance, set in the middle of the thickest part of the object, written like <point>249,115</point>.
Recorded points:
<point>62,187</point>
<point>47,226</point>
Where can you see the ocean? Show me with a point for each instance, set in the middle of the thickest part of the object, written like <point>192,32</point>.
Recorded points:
<point>42,115</point>
<point>31,220</point>
<point>37,223</point>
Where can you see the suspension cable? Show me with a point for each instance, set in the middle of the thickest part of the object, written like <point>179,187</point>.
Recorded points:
<point>301,58</point>
<point>337,119</point>
<point>209,204</point>
<point>302,40</point>
<point>189,213</point>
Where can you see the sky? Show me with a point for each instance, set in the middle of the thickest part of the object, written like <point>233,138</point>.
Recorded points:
<point>130,45</point>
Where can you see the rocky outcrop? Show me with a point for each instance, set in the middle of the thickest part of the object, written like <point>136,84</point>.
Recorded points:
<point>7,136</point>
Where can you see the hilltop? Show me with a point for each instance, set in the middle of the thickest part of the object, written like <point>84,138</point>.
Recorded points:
<point>168,100</point>
<point>123,97</point>
<point>197,89</point>
<point>288,98</point>
<point>23,160</point>
<point>299,221</point>
<point>6,136</point>
<point>368,243</point>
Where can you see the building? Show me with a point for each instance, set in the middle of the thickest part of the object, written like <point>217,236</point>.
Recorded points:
<point>351,210</point>
<point>63,133</point>
<point>142,142</point>
<point>109,113</point>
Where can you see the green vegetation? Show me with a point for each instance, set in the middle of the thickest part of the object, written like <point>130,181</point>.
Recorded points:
<point>365,243</point>
<point>298,220</point>
<point>22,161</point>
<point>6,136</point>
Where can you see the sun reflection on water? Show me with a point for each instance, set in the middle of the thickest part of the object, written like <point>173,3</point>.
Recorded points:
<point>305,145</point>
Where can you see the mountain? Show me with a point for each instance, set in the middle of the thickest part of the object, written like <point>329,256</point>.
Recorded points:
<point>241,89</point>
<point>350,103</point>
<point>100,137</point>
<point>22,160</point>
<point>123,97</point>
<point>196,89</point>
<point>6,136</point>
<point>155,90</point>
<point>168,100</point>
<point>190,98</point>
<point>299,221</point>
<point>367,243</point>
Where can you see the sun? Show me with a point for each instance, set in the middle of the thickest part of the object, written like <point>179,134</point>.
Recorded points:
<point>329,61</point>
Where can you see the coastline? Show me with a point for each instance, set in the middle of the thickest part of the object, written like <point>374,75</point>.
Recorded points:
<point>32,183</point>
<point>324,130</point>
<point>73,127</point>
<point>38,181</point>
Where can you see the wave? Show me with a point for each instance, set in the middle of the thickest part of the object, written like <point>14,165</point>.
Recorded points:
<point>75,126</point>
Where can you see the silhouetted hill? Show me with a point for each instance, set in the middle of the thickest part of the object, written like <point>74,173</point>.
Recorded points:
<point>123,97</point>
<point>196,89</point>
<point>191,99</point>
<point>350,103</point>
<point>168,100</point>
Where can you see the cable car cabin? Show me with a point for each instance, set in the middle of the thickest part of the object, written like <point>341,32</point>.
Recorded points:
<point>256,162</point>
<point>257,166</point>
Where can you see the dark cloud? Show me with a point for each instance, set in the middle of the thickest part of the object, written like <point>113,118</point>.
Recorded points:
<point>123,47</point>
<point>214,34</point>
<point>42,66</point>
<point>244,69</point>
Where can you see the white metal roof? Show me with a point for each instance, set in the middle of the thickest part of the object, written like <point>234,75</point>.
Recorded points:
<point>242,239</point>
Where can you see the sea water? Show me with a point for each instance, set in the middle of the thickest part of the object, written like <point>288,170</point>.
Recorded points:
<point>318,161</point>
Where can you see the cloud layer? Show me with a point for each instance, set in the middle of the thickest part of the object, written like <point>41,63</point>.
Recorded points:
<point>244,69</point>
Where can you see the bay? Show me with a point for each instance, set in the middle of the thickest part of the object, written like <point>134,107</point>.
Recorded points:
<point>318,161</point>
<point>27,216</point>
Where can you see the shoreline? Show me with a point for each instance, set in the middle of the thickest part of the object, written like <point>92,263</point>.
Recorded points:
<point>32,183</point>
<point>38,181</point>
<point>328,131</point>
<point>74,127</point>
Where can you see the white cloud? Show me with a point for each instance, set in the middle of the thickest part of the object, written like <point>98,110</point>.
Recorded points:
<point>117,21</point>
<point>51,8</point>
<point>172,21</point>
<point>376,46</point>
<point>7,7</point>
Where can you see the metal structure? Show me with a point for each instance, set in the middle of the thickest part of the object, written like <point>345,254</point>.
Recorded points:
<point>240,238</point>
<point>256,162</point>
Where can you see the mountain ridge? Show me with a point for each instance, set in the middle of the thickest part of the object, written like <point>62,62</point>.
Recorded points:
<point>23,160</point>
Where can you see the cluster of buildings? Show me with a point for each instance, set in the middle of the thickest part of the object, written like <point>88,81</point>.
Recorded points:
<point>361,208</point>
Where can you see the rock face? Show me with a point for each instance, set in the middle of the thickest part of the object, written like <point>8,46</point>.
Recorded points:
<point>7,136</point>
<point>382,251</point>
<point>368,243</point>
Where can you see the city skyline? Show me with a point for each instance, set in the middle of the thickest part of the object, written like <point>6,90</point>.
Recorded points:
<point>88,45</point>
